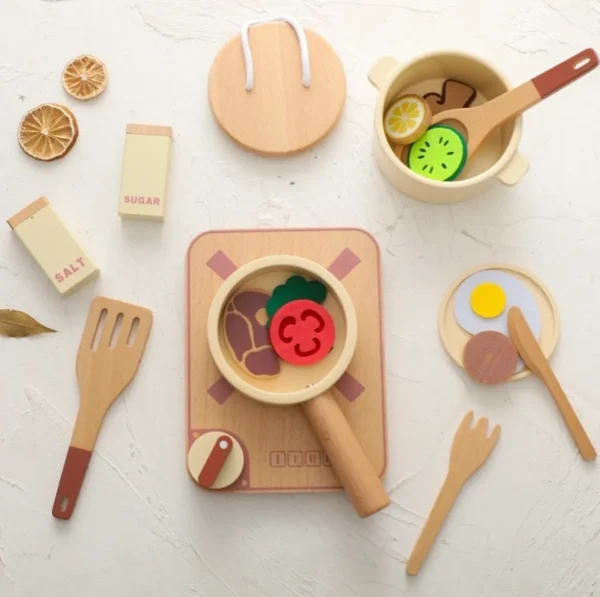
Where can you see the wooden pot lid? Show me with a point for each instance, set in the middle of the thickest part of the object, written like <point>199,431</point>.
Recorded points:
<point>280,114</point>
<point>455,338</point>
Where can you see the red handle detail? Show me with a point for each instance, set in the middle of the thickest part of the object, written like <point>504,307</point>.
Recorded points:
<point>215,461</point>
<point>71,480</point>
<point>566,72</point>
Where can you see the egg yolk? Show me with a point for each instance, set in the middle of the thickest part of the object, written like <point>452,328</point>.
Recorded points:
<point>488,300</point>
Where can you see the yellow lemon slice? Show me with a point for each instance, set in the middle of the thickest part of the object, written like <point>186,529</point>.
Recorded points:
<point>407,119</point>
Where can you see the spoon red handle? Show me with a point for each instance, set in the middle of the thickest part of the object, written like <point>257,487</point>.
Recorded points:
<point>564,73</point>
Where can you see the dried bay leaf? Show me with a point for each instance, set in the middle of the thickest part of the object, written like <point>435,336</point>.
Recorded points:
<point>16,324</point>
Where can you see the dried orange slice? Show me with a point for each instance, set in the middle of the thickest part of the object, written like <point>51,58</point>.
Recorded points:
<point>48,132</point>
<point>85,77</point>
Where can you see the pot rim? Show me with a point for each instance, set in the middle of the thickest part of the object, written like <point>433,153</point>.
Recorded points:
<point>263,265</point>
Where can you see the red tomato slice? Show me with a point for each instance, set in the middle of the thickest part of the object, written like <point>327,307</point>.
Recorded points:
<point>302,332</point>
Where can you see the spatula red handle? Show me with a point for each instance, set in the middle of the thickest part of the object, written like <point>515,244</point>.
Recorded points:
<point>564,73</point>
<point>70,482</point>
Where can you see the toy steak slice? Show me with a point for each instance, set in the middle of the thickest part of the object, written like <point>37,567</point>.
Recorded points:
<point>455,94</point>
<point>246,335</point>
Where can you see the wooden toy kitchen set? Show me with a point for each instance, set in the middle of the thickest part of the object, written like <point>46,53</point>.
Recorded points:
<point>284,359</point>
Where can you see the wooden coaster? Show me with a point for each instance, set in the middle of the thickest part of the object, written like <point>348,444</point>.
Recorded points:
<point>490,357</point>
<point>279,115</point>
<point>455,338</point>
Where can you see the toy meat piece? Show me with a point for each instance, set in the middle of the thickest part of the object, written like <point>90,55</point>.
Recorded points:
<point>455,94</point>
<point>490,357</point>
<point>246,335</point>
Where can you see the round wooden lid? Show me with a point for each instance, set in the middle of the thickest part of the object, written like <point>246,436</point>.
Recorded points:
<point>279,115</point>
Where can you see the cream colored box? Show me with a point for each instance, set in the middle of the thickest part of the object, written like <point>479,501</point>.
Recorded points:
<point>145,177</point>
<point>63,260</point>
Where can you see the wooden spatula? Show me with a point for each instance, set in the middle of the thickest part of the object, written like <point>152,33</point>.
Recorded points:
<point>532,355</point>
<point>470,449</point>
<point>111,348</point>
<point>480,121</point>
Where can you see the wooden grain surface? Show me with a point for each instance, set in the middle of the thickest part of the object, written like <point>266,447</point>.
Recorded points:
<point>534,358</point>
<point>279,116</point>
<point>471,447</point>
<point>112,345</point>
<point>149,129</point>
<point>282,453</point>
<point>27,212</point>
<point>490,357</point>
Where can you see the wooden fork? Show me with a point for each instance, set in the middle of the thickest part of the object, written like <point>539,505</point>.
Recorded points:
<point>105,367</point>
<point>470,449</point>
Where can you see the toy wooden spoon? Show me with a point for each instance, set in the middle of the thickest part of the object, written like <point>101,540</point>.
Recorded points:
<point>105,367</point>
<point>470,449</point>
<point>532,355</point>
<point>480,121</point>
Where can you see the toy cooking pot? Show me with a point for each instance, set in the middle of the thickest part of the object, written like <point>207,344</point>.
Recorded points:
<point>498,158</point>
<point>307,385</point>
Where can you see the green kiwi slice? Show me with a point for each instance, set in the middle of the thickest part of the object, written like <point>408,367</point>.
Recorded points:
<point>440,154</point>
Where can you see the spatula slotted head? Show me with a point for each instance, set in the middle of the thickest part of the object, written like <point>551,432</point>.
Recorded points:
<point>112,345</point>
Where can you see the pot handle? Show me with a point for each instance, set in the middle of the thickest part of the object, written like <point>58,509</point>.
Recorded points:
<point>348,460</point>
<point>514,171</point>
<point>381,70</point>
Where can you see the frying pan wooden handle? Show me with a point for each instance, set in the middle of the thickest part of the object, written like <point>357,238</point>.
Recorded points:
<point>355,472</point>
<point>566,72</point>
<point>71,481</point>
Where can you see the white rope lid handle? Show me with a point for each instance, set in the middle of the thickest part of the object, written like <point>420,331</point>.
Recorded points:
<point>301,40</point>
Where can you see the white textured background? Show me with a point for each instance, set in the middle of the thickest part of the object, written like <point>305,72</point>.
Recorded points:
<point>528,524</point>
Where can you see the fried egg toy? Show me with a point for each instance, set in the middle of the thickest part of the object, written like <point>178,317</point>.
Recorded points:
<point>483,300</point>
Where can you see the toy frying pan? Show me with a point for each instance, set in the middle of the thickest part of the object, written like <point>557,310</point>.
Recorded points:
<point>307,385</point>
